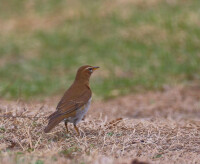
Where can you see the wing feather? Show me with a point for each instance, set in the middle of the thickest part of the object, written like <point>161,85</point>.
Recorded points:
<point>67,107</point>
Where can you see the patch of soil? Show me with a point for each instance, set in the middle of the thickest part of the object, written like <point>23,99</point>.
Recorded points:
<point>173,103</point>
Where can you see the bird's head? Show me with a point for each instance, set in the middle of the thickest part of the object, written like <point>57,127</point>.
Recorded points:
<point>84,72</point>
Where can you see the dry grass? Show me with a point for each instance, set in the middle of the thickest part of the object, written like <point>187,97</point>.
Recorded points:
<point>157,127</point>
<point>32,21</point>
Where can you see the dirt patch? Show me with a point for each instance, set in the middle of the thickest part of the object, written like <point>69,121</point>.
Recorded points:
<point>153,127</point>
<point>144,32</point>
<point>172,103</point>
<point>32,20</point>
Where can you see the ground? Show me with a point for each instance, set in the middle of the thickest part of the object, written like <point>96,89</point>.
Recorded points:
<point>153,127</point>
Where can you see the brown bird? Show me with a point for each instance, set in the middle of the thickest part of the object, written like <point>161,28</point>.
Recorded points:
<point>76,101</point>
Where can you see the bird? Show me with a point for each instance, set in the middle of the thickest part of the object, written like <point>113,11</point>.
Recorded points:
<point>75,102</point>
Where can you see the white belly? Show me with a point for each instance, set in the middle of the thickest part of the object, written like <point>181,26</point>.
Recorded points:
<point>80,113</point>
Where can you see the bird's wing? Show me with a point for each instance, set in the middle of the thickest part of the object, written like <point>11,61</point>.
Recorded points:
<point>67,107</point>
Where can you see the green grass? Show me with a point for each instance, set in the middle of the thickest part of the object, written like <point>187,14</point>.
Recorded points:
<point>137,45</point>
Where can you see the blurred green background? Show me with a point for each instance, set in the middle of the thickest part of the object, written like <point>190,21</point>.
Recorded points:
<point>139,45</point>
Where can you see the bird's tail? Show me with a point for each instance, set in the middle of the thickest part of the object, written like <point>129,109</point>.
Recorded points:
<point>54,120</point>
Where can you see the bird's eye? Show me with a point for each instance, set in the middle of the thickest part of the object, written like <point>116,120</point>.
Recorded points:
<point>90,69</point>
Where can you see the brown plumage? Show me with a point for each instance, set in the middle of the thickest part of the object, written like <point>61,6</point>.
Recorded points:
<point>75,102</point>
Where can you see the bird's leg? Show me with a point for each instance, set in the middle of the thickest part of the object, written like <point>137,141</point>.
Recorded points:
<point>76,129</point>
<point>66,126</point>
<point>83,118</point>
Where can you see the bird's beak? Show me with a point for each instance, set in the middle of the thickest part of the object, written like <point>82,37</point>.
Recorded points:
<point>94,68</point>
